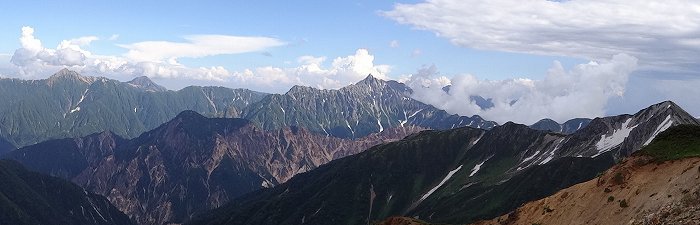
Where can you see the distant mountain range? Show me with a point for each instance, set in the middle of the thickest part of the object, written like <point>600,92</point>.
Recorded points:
<point>31,198</point>
<point>191,163</point>
<point>366,107</point>
<point>454,176</point>
<point>70,105</point>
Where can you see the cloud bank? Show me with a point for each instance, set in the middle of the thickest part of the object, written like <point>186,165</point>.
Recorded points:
<point>582,91</point>
<point>312,71</point>
<point>197,46</point>
<point>158,59</point>
<point>663,35</point>
<point>153,58</point>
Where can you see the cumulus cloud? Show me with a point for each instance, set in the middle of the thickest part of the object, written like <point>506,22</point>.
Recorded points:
<point>582,91</point>
<point>313,71</point>
<point>159,60</point>
<point>34,58</point>
<point>153,59</point>
<point>663,35</point>
<point>197,46</point>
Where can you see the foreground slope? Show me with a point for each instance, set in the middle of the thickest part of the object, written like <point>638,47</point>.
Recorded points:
<point>31,198</point>
<point>649,188</point>
<point>189,164</point>
<point>70,105</point>
<point>453,176</point>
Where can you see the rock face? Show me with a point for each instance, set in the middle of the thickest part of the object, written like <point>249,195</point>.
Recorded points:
<point>455,176</point>
<point>32,198</point>
<point>189,164</point>
<point>369,106</point>
<point>70,105</point>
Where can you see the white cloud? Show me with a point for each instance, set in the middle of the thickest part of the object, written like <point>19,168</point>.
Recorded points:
<point>198,46</point>
<point>662,34</point>
<point>113,37</point>
<point>311,71</point>
<point>33,60</point>
<point>580,92</point>
<point>394,44</point>
<point>153,59</point>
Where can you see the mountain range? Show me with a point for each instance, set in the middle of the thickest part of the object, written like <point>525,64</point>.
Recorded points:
<point>454,176</point>
<point>70,105</point>
<point>191,163</point>
<point>355,155</point>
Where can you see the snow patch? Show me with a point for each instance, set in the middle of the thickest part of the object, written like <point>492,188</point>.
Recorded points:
<point>75,110</point>
<point>478,167</point>
<point>381,128</point>
<point>266,184</point>
<point>532,156</point>
<point>662,127</point>
<point>551,154</point>
<point>616,138</point>
<point>449,175</point>
<point>478,139</point>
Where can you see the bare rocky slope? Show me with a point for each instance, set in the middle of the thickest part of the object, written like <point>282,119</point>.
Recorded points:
<point>638,191</point>
<point>659,185</point>
<point>189,164</point>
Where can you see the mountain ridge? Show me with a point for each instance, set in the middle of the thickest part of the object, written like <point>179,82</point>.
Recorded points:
<point>476,182</point>
<point>211,159</point>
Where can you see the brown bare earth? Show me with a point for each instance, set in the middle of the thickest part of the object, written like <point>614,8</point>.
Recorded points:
<point>401,221</point>
<point>637,191</point>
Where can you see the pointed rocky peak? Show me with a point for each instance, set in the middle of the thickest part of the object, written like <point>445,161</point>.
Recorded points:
<point>666,109</point>
<point>66,74</point>
<point>371,80</point>
<point>146,84</point>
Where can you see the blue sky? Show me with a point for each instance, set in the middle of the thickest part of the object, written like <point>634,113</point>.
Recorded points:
<point>618,55</point>
<point>318,28</point>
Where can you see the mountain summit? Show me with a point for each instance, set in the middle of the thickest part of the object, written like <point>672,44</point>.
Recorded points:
<point>146,84</point>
